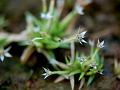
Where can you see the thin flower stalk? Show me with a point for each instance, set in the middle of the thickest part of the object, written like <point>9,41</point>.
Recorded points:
<point>79,37</point>
<point>48,72</point>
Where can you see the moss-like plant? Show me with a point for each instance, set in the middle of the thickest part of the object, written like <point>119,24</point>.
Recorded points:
<point>83,65</point>
<point>46,32</point>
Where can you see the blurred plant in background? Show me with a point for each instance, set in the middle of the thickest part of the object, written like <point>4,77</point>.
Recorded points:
<point>47,31</point>
<point>3,22</point>
<point>117,68</point>
<point>44,32</point>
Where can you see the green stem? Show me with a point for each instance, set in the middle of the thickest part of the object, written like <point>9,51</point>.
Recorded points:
<point>72,52</point>
<point>96,51</point>
<point>59,72</point>
<point>44,5</point>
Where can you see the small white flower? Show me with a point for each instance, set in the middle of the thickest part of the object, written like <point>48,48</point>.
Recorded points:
<point>79,9</point>
<point>100,44</point>
<point>4,53</point>
<point>46,16</point>
<point>81,36</point>
<point>47,73</point>
<point>91,43</point>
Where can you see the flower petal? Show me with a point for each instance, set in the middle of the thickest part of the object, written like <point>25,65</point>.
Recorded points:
<point>83,41</point>
<point>8,54</point>
<point>2,57</point>
<point>82,34</point>
<point>47,73</point>
<point>100,44</point>
<point>7,49</point>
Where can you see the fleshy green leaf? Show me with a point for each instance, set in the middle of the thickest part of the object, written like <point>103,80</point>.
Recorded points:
<point>81,75</point>
<point>91,78</point>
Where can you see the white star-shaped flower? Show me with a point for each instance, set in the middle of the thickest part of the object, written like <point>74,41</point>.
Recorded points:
<point>81,36</point>
<point>5,53</point>
<point>47,73</point>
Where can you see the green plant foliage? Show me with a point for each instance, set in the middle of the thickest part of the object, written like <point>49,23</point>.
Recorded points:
<point>47,31</point>
<point>83,65</point>
<point>50,32</point>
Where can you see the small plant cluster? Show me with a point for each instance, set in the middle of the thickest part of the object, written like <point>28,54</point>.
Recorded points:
<point>82,65</point>
<point>47,32</point>
<point>43,32</point>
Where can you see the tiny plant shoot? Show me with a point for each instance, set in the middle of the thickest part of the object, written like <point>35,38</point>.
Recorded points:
<point>83,65</point>
<point>46,32</point>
